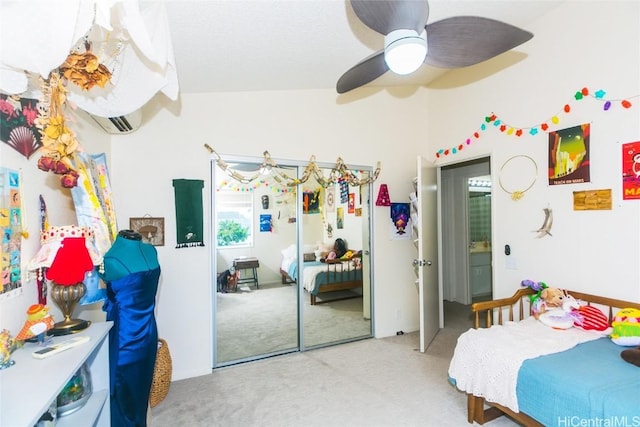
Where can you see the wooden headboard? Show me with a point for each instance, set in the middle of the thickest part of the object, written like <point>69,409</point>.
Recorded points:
<point>489,309</point>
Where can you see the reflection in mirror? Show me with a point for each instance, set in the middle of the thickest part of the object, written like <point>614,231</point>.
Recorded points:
<point>335,230</point>
<point>265,231</point>
<point>256,312</point>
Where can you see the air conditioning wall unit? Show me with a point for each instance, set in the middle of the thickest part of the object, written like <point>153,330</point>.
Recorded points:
<point>120,124</point>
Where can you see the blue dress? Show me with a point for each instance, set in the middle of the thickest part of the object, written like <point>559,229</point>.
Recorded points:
<point>133,344</point>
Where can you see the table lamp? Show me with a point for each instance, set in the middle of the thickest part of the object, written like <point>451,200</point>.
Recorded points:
<point>67,253</point>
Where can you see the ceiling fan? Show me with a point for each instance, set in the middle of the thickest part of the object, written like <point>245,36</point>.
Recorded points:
<point>455,42</point>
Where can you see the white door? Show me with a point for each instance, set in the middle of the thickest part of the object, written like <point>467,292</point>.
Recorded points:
<point>427,261</point>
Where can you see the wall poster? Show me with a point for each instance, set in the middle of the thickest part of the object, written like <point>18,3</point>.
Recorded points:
<point>569,155</point>
<point>10,225</point>
<point>631,170</point>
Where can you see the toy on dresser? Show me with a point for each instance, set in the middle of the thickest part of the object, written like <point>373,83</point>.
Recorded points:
<point>7,345</point>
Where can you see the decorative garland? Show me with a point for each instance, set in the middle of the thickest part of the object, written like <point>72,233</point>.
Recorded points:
<point>229,185</point>
<point>535,129</point>
<point>339,172</point>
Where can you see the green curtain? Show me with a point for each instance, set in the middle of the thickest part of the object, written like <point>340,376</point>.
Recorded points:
<point>188,195</point>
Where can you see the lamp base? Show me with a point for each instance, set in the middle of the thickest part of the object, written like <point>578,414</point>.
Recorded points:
<point>69,326</point>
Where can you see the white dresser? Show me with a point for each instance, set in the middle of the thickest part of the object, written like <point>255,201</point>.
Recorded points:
<point>28,388</point>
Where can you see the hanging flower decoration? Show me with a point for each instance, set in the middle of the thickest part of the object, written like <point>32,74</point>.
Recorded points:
<point>505,127</point>
<point>59,141</point>
<point>85,70</point>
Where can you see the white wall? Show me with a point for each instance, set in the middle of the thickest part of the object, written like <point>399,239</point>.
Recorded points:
<point>60,212</point>
<point>290,125</point>
<point>581,44</point>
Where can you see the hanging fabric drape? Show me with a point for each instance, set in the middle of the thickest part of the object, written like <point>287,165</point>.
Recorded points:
<point>188,199</point>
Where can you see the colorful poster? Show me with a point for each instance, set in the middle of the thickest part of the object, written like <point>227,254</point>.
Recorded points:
<point>400,218</point>
<point>265,223</point>
<point>331,199</point>
<point>569,155</point>
<point>340,218</point>
<point>631,170</point>
<point>351,207</point>
<point>11,228</point>
<point>311,201</point>
<point>344,191</point>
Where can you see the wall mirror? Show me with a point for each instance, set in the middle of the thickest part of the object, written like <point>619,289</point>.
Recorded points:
<point>274,291</point>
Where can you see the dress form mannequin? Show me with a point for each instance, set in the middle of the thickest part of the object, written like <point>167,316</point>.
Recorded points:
<point>128,255</point>
<point>131,273</point>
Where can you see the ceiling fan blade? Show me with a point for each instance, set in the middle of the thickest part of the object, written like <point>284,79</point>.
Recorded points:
<point>462,41</point>
<point>385,16</point>
<point>369,69</point>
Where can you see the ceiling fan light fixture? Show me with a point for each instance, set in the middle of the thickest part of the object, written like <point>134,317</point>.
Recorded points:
<point>405,50</point>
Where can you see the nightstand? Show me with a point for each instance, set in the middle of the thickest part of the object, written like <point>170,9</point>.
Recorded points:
<point>247,264</point>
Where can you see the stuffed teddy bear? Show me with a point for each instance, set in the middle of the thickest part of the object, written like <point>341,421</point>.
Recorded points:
<point>545,297</point>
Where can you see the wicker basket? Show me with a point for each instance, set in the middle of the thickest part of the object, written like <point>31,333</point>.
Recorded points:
<point>161,374</point>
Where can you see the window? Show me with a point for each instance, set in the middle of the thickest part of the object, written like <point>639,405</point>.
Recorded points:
<point>234,219</point>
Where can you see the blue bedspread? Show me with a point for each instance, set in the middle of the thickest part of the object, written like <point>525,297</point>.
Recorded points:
<point>321,276</point>
<point>588,385</point>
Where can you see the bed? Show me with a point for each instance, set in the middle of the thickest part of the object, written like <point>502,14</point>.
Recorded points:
<point>578,378</point>
<point>323,277</point>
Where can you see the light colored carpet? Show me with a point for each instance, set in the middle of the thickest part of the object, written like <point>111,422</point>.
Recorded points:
<point>372,382</point>
<point>259,321</point>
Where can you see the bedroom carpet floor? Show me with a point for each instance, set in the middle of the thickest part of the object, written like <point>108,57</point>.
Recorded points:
<point>373,382</point>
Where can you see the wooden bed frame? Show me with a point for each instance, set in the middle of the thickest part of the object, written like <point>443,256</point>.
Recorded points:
<point>489,310</point>
<point>335,271</point>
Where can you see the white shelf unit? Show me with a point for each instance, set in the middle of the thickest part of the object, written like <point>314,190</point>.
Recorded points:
<point>28,388</point>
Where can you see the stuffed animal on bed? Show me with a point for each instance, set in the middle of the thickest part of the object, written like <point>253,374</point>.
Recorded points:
<point>545,297</point>
<point>563,317</point>
<point>626,327</point>
<point>626,332</point>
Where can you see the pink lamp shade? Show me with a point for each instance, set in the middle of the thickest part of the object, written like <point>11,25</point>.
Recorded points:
<point>71,262</point>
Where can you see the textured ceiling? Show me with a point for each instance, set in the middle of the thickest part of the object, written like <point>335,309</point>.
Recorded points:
<point>249,45</point>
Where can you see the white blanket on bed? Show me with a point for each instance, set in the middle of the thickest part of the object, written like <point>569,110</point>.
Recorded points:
<point>486,361</point>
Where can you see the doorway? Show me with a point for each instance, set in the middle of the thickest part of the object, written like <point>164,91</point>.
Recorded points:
<point>467,259</point>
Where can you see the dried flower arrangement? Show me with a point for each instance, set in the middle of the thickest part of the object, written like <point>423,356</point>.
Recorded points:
<point>85,70</point>
<point>59,141</point>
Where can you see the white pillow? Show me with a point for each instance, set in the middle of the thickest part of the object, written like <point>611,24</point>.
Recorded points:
<point>309,248</point>
<point>289,252</point>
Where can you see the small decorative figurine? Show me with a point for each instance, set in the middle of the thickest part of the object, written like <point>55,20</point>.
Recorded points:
<point>7,344</point>
<point>38,322</point>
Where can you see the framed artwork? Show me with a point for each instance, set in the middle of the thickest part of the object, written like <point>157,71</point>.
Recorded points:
<point>151,229</point>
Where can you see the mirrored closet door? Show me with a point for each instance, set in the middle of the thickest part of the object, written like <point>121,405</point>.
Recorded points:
<point>336,286</point>
<point>276,291</point>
